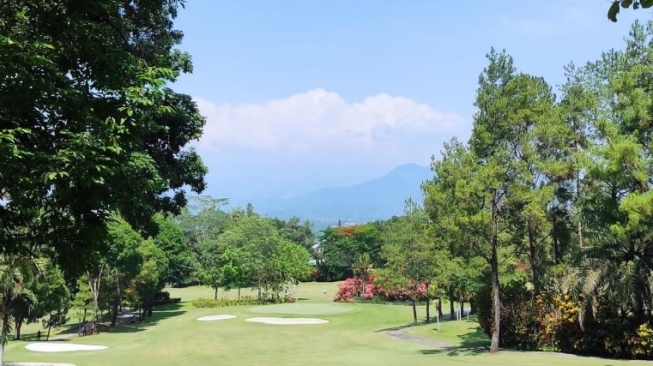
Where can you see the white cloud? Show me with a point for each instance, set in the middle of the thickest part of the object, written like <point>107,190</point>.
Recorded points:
<point>317,139</point>
<point>320,121</point>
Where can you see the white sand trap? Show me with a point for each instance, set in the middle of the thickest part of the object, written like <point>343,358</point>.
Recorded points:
<point>284,321</point>
<point>62,347</point>
<point>215,317</point>
<point>36,364</point>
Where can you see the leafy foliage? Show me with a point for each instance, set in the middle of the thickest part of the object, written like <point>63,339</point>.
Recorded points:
<point>88,125</point>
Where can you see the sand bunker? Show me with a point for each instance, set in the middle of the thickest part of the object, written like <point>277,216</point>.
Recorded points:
<point>215,317</point>
<point>62,347</point>
<point>36,364</point>
<point>301,309</point>
<point>284,321</point>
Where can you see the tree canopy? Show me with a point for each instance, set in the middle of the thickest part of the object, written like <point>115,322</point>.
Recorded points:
<point>88,125</point>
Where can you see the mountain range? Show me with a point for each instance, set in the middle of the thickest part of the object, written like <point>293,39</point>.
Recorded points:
<point>377,199</point>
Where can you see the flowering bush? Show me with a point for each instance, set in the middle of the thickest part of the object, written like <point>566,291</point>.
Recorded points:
<point>354,289</point>
<point>349,290</point>
<point>550,321</point>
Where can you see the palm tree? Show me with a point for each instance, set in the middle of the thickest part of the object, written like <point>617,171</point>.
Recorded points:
<point>11,290</point>
<point>617,274</point>
<point>362,268</point>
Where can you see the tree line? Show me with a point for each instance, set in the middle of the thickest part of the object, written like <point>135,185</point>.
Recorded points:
<point>553,194</point>
<point>543,220</point>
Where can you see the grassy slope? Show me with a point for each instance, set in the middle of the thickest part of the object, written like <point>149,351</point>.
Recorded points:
<point>354,338</point>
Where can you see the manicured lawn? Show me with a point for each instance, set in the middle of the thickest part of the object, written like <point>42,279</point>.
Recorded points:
<point>464,333</point>
<point>354,336</point>
<point>310,291</point>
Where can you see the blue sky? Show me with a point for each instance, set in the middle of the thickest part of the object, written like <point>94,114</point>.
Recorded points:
<point>302,95</point>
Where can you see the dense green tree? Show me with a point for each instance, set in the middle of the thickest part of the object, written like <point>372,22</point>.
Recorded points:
<point>151,277</point>
<point>46,284</point>
<point>408,251</point>
<point>300,233</point>
<point>12,289</point>
<point>577,109</point>
<point>115,268</point>
<point>363,269</point>
<point>338,252</point>
<point>203,219</point>
<point>341,246</point>
<point>616,262</point>
<point>181,260</point>
<point>538,167</point>
<point>88,123</point>
<point>83,301</point>
<point>236,269</point>
<point>253,248</point>
<point>493,193</point>
<point>291,263</point>
<point>211,263</point>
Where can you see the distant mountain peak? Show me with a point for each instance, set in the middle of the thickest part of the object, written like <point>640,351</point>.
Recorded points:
<point>376,199</point>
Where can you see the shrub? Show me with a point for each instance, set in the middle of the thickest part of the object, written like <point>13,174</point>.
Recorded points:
<point>550,321</point>
<point>642,342</point>
<point>162,295</point>
<point>349,290</point>
<point>352,289</point>
<point>166,301</point>
<point>214,303</point>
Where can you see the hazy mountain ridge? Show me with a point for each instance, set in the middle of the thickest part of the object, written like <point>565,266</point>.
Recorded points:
<point>376,199</point>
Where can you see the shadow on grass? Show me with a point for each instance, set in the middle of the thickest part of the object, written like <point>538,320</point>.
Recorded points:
<point>69,331</point>
<point>400,327</point>
<point>472,343</point>
<point>160,312</point>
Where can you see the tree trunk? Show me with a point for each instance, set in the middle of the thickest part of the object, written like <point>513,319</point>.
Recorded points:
<point>150,310</point>
<point>428,303</point>
<point>556,245</point>
<point>472,306</point>
<point>4,331</point>
<point>118,301</point>
<point>18,323</point>
<point>94,284</point>
<point>494,268</point>
<point>414,303</point>
<point>114,315</point>
<point>451,306</point>
<point>215,294</point>
<point>496,299</point>
<point>462,308</point>
<point>2,345</point>
<point>578,198</point>
<point>238,293</point>
<point>532,257</point>
<point>47,338</point>
<point>438,307</point>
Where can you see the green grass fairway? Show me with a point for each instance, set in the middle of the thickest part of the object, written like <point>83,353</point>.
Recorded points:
<point>465,333</point>
<point>304,309</point>
<point>174,337</point>
<point>311,291</point>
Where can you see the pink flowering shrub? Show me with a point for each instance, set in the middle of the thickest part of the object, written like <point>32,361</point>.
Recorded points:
<point>349,290</point>
<point>352,289</point>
